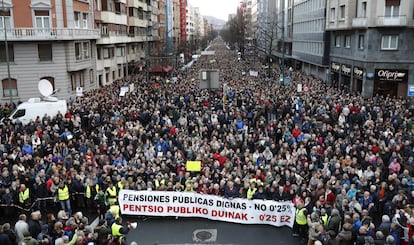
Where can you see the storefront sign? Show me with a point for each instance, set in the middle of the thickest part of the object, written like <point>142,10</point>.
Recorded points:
<point>358,72</point>
<point>391,75</point>
<point>189,204</point>
<point>335,67</point>
<point>346,70</point>
<point>411,90</point>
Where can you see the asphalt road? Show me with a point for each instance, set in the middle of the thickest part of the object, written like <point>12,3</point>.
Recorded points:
<point>189,231</point>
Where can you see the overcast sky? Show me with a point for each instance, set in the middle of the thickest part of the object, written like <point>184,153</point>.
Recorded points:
<point>217,8</point>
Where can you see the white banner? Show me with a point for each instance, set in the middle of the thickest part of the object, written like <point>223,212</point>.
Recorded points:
<point>254,73</point>
<point>190,204</point>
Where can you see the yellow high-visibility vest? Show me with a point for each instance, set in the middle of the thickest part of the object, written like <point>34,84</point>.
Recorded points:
<point>250,193</point>
<point>63,194</point>
<point>88,193</point>
<point>120,185</point>
<point>111,194</point>
<point>325,219</point>
<point>24,195</point>
<point>115,228</point>
<point>301,217</point>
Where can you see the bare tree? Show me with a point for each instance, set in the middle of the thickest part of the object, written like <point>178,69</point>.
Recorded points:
<point>266,35</point>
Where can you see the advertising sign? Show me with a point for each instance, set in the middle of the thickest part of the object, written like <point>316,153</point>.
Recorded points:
<point>391,75</point>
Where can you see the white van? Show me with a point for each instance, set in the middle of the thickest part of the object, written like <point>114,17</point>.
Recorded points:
<point>34,107</point>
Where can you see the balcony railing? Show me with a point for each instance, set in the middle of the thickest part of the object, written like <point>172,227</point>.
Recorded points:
<point>359,22</point>
<point>44,34</point>
<point>400,20</point>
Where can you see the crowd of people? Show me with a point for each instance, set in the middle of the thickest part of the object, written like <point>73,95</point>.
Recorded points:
<point>345,161</point>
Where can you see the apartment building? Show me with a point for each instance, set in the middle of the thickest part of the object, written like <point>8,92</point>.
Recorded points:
<point>371,51</point>
<point>310,41</point>
<point>126,27</point>
<point>46,39</point>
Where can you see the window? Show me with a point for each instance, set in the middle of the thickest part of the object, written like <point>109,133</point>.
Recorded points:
<point>85,21</point>
<point>392,8</point>
<point>361,41</point>
<point>42,19</point>
<point>44,51</point>
<point>73,81</point>
<point>389,42</point>
<point>78,51</point>
<point>347,41</point>
<point>5,19</point>
<point>337,41</point>
<point>85,50</point>
<point>3,53</point>
<point>106,53</point>
<point>19,113</point>
<point>9,87</point>
<point>333,17</point>
<point>120,51</point>
<point>82,79</point>
<point>77,20</point>
<point>364,10</point>
<point>117,8</point>
<point>342,12</point>
<point>99,53</point>
<point>91,77</point>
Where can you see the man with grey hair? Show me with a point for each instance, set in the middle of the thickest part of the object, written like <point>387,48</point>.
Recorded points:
<point>21,227</point>
<point>34,224</point>
<point>385,225</point>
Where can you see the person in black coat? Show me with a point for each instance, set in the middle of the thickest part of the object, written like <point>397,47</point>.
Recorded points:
<point>34,224</point>
<point>4,238</point>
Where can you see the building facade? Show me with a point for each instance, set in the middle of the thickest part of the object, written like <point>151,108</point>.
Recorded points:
<point>310,41</point>
<point>55,40</point>
<point>371,51</point>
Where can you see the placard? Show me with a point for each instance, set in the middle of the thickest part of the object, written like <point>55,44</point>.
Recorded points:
<point>193,166</point>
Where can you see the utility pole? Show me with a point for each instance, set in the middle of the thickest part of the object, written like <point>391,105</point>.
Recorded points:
<point>7,54</point>
<point>283,43</point>
<point>147,64</point>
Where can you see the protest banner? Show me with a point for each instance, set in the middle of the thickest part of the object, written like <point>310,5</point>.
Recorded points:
<point>190,204</point>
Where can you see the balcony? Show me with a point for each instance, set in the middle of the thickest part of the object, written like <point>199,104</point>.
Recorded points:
<point>392,20</point>
<point>47,34</point>
<point>135,21</point>
<point>113,18</point>
<point>137,4</point>
<point>360,22</point>
<point>113,37</point>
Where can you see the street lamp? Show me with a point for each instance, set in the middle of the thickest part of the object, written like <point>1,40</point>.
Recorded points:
<point>7,53</point>
<point>282,79</point>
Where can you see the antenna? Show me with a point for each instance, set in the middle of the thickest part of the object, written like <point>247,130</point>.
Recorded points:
<point>45,87</point>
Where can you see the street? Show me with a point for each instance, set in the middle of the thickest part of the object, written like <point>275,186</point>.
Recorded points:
<point>170,231</point>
